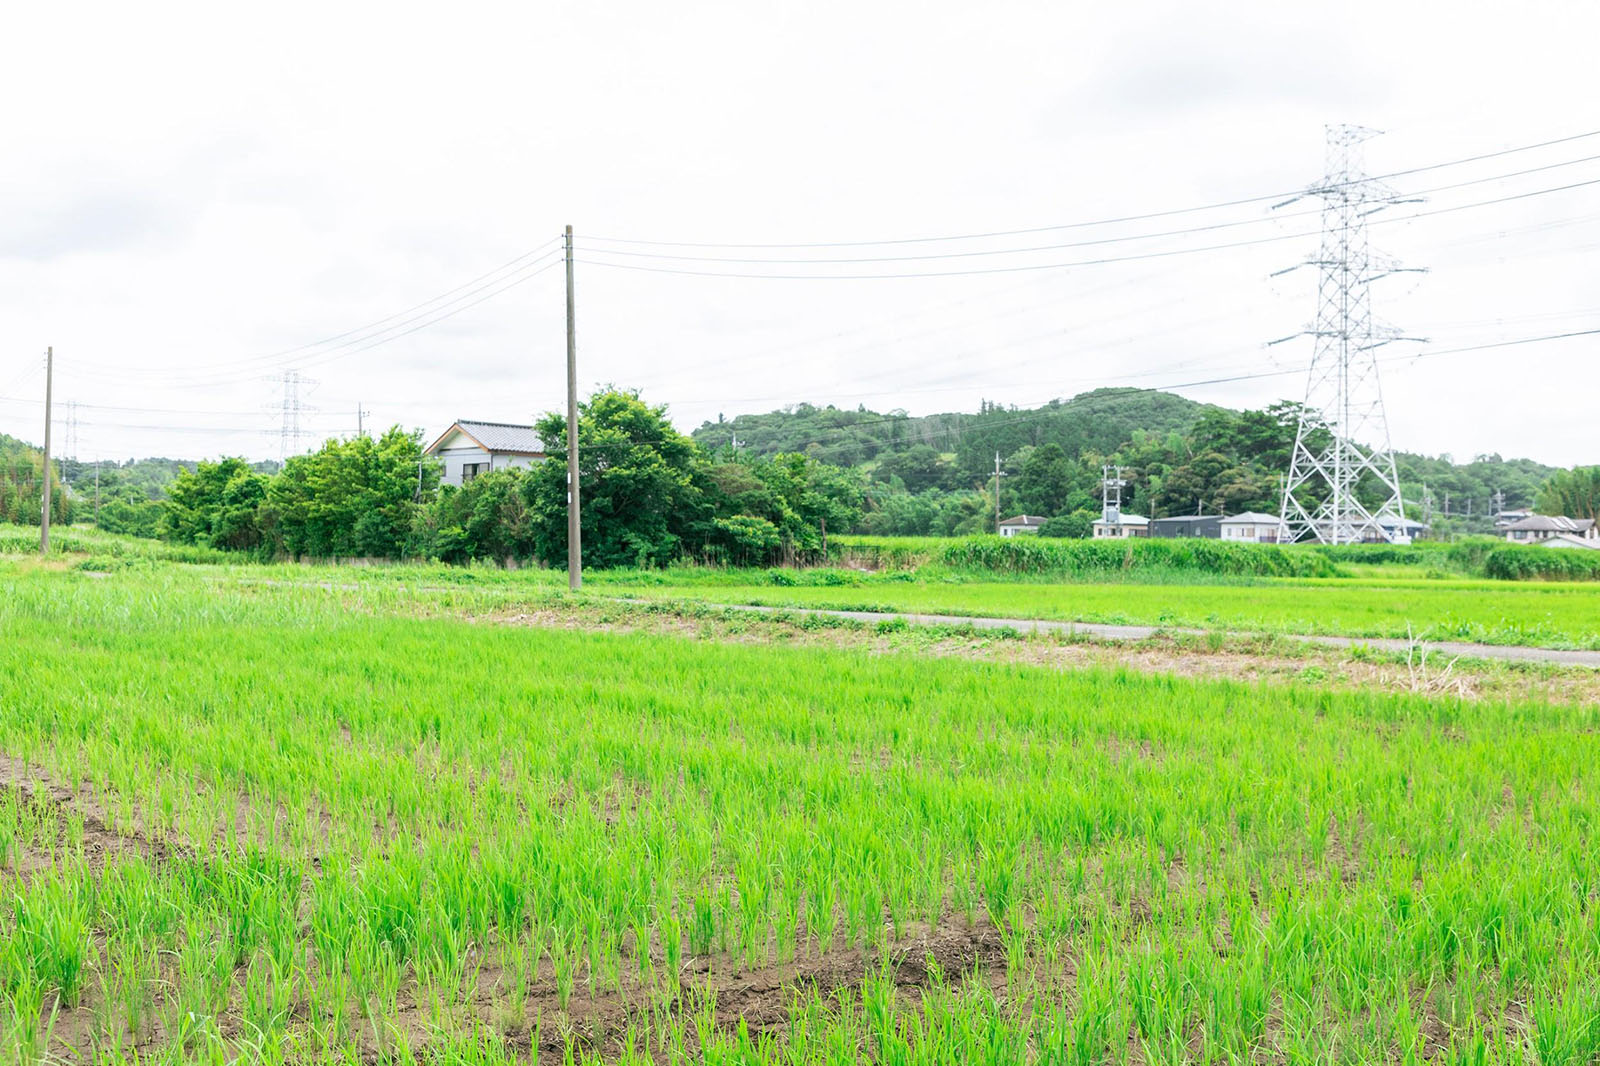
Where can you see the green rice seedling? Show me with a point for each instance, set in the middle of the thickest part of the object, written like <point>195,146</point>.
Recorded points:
<point>703,928</point>
<point>263,1012</point>
<point>51,925</point>
<point>670,933</point>
<point>822,913</point>
<point>31,1008</point>
<point>564,964</point>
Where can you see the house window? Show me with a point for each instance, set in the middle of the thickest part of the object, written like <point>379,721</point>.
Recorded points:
<point>472,470</point>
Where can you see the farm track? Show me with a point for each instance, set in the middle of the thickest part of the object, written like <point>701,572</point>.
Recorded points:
<point>1104,631</point>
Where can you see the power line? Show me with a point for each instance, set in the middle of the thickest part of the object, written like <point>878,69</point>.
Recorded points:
<point>1165,253</point>
<point>1219,380</point>
<point>1096,222</point>
<point>369,338</point>
<point>1121,239</point>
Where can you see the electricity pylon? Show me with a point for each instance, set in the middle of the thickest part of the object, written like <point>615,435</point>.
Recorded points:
<point>1344,401</point>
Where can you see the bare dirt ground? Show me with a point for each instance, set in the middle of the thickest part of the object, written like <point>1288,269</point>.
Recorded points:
<point>1235,658</point>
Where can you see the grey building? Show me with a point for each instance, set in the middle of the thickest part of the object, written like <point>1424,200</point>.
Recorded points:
<point>468,449</point>
<point>1022,523</point>
<point>1189,525</point>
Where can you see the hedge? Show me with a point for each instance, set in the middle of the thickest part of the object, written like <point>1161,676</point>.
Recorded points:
<point>1519,562</point>
<point>1034,555</point>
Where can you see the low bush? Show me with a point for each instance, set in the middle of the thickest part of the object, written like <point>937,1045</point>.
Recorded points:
<point>1465,556</point>
<point>1518,562</point>
<point>1034,555</point>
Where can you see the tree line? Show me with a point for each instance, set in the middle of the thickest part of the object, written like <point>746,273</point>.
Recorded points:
<point>650,495</point>
<point>935,474</point>
<point>756,490</point>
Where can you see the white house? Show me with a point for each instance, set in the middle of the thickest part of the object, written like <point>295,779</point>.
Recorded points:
<point>1539,528</point>
<point>1251,526</point>
<point>1022,523</point>
<point>1117,524</point>
<point>1567,540</point>
<point>468,449</point>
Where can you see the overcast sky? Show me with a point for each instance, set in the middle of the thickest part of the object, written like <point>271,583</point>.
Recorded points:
<point>195,196</point>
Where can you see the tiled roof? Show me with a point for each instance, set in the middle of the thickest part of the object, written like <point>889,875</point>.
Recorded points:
<point>1544,523</point>
<point>1023,520</point>
<point>502,436</point>
<point>1255,517</point>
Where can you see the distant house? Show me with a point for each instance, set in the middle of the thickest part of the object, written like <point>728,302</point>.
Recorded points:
<point>468,449</point>
<point>1502,519</point>
<point>1252,526</point>
<point>1402,530</point>
<point>1117,524</point>
<point>1568,540</point>
<point>1189,525</point>
<point>1022,523</point>
<point>1539,528</point>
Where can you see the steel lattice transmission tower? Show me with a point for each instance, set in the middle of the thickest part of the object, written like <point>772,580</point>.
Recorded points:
<point>1342,440</point>
<point>292,407</point>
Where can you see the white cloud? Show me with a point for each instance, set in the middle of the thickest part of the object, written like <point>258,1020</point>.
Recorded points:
<point>192,185</point>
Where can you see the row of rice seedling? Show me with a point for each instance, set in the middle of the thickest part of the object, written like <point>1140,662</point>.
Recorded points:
<point>287,822</point>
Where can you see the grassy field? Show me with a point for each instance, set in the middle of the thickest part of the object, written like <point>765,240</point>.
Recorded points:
<point>291,823</point>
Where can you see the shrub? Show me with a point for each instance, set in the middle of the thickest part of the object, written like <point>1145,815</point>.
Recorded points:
<point>1518,562</point>
<point>1076,526</point>
<point>1034,555</point>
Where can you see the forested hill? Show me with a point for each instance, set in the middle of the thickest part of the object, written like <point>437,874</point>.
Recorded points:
<point>1095,422</point>
<point>934,473</point>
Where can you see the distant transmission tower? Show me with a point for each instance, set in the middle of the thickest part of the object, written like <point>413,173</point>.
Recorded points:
<point>291,433</point>
<point>72,430</point>
<point>1344,402</point>
<point>1111,486</point>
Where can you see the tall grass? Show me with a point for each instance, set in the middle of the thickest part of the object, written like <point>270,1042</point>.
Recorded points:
<point>1515,562</point>
<point>1040,555</point>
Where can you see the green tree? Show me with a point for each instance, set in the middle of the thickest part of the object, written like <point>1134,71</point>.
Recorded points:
<point>1046,481</point>
<point>918,468</point>
<point>750,540</point>
<point>217,506</point>
<point>1078,524</point>
<point>1574,493</point>
<point>642,485</point>
<point>487,518</point>
<point>350,498</point>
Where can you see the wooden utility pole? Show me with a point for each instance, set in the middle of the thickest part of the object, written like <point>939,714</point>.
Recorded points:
<point>998,474</point>
<point>574,523</point>
<point>44,515</point>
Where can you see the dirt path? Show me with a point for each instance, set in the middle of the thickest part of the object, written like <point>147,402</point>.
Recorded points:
<point>1103,631</point>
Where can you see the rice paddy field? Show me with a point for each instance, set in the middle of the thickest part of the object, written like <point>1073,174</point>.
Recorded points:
<point>304,821</point>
